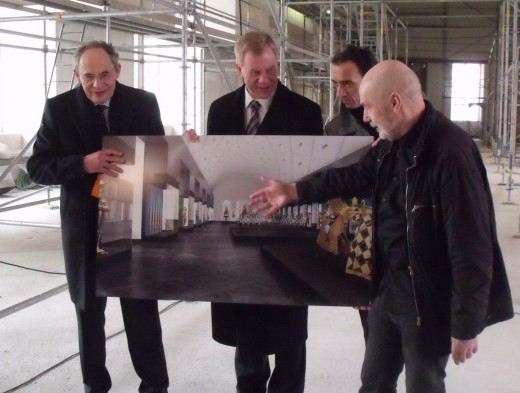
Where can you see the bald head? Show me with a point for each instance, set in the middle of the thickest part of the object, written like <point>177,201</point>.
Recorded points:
<point>392,75</point>
<point>392,97</point>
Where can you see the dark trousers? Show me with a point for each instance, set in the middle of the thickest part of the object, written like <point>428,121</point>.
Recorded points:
<point>395,341</point>
<point>144,335</point>
<point>253,370</point>
<point>363,315</point>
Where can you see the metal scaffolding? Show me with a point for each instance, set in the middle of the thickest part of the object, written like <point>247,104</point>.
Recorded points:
<point>337,23</point>
<point>303,62</point>
<point>366,23</point>
<point>502,112</point>
<point>306,46</point>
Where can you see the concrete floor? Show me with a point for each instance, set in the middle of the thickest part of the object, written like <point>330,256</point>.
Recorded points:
<point>38,344</point>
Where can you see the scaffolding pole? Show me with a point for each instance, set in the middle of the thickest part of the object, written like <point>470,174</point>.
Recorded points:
<point>184,65</point>
<point>368,23</point>
<point>514,101</point>
<point>504,59</point>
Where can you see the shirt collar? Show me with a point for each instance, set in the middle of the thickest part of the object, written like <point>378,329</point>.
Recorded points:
<point>106,103</point>
<point>265,102</point>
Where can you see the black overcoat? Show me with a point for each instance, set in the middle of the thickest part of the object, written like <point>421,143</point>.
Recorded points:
<point>262,327</point>
<point>70,129</point>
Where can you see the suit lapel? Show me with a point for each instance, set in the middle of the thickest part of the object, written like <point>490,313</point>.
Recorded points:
<point>237,118</point>
<point>276,114</point>
<point>116,111</point>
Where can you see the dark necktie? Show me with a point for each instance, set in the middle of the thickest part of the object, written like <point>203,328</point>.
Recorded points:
<point>102,110</point>
<point>254,123</point>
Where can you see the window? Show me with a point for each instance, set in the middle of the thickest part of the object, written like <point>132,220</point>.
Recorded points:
<point>467,92</point>
<point>23,91</point>
<point>163,76</point>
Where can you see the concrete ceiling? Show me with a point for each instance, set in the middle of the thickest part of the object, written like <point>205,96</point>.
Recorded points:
<point>447,30</point>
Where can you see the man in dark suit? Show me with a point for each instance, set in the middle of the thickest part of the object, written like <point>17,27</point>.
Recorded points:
<point>263,106</point>
<point>68,152</point>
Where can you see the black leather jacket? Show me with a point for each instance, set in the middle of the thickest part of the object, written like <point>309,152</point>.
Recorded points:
<point>458,275</point>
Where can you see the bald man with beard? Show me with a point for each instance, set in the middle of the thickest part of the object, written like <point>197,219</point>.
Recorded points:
<point>438,277</point>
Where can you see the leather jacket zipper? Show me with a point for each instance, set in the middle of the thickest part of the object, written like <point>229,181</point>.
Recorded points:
<point>376,187</point>
<point>410,265</point>
<point>417,207</point>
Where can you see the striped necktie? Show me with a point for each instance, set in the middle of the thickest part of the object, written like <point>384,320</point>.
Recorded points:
<point>254,123</point>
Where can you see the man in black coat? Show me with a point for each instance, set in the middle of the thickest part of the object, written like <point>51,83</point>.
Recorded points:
<point>348,68</point>
<point>68,151</point>
<point>438,277</point>
<point>259,330</point>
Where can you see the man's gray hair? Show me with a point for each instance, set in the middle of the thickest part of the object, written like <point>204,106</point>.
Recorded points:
<point>108,48</point>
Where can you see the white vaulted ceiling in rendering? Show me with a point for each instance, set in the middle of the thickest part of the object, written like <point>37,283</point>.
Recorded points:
<point>287,158</point>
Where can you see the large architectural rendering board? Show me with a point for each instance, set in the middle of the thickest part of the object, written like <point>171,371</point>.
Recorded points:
<point>183,200</point>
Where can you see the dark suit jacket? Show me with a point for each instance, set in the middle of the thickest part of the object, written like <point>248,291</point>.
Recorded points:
<point>70,129</point>
<point>289,114</point>
<point>262,327</point>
